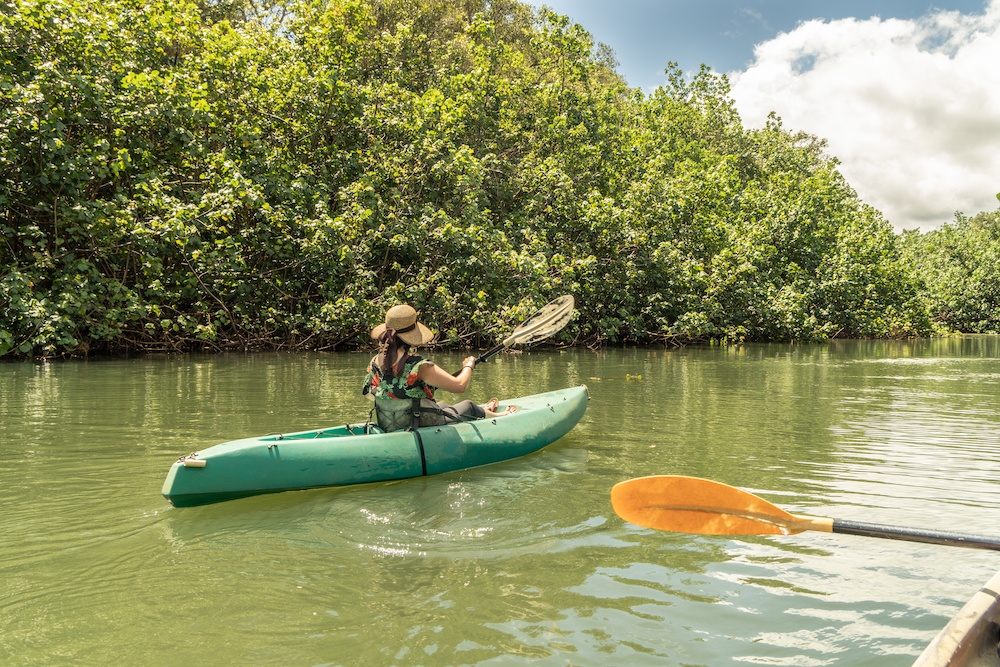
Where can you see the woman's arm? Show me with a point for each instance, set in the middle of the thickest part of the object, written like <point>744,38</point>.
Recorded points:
<point>435,376</point>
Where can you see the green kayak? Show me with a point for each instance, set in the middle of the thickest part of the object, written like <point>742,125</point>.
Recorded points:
<point>343,455</point>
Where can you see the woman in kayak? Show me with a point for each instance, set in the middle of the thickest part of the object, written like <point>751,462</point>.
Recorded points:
<point>403,384</point>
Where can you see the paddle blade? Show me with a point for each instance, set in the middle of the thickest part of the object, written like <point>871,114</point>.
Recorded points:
<point>693,505</point>
<point>550,319</point>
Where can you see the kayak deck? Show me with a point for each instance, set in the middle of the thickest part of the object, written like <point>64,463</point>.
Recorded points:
<point>353,454</point>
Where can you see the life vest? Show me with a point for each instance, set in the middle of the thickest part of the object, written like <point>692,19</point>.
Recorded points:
<point>404,401</point>
<point>395,414</point>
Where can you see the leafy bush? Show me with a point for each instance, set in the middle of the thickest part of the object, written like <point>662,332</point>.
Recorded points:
<point>958,267</point>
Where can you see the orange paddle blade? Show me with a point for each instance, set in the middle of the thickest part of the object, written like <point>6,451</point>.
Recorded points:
<point>693,505</point>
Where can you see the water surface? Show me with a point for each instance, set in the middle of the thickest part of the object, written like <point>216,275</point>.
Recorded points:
<point>516,563</point>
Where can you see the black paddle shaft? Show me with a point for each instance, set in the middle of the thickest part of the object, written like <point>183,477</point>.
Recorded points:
<point>489,353</point>
<point>485,357</point>
<point>915,535</point>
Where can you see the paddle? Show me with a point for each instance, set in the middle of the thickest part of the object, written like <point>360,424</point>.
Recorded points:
<point>551,318</point>
<point>693,505</point>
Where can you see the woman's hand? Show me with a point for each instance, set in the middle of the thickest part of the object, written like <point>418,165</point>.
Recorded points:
<point>470,363</point>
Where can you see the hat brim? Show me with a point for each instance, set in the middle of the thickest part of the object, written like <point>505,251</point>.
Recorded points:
<point>416,336</point>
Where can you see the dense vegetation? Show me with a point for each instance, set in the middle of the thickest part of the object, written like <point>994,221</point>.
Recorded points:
<point>242,175</point>
<point>958,267</point>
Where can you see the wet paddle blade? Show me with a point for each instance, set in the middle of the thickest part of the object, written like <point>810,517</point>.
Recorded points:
<point>693,505</point>
<point>542,324</point>
<point>550,319</point>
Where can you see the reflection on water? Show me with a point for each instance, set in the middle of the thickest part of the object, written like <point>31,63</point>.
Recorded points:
<point>516,562</point>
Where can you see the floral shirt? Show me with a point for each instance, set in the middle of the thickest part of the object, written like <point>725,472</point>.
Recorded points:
<point>405,385</point>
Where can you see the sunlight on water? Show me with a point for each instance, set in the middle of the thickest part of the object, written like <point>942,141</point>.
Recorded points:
<point>515,563</point>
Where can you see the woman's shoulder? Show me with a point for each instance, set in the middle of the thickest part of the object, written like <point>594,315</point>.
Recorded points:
<point>416,360</point>
<point>417,364</point>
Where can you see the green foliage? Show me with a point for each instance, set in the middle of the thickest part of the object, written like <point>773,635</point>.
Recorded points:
<point>958,267</point>
<point>250,174</point>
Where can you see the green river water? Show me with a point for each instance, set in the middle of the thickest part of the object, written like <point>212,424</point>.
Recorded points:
<point>522,562</point>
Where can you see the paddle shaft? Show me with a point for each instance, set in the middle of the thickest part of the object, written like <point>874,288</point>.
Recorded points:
<point>507,343</point>
<point>865,529</point>
<point>914,534</point>
<point>490,353</point>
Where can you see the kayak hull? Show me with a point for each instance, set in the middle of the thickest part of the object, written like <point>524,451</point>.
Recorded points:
<point>971,637</point>
<point>344,455</point>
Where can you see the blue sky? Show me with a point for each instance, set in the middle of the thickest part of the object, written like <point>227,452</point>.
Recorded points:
<point>647,34</point>
<point>907,93</point>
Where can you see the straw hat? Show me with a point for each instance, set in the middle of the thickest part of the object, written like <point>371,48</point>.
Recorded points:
<point>403,319</point>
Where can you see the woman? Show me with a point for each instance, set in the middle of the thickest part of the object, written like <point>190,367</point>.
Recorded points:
<point>403,384</point>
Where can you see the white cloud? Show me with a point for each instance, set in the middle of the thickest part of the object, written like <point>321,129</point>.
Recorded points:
<point>911,108</point>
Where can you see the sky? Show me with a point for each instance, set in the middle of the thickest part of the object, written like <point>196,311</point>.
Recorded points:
<point>907,93</point>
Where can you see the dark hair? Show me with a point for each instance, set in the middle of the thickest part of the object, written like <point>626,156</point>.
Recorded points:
<point>389,348</point>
